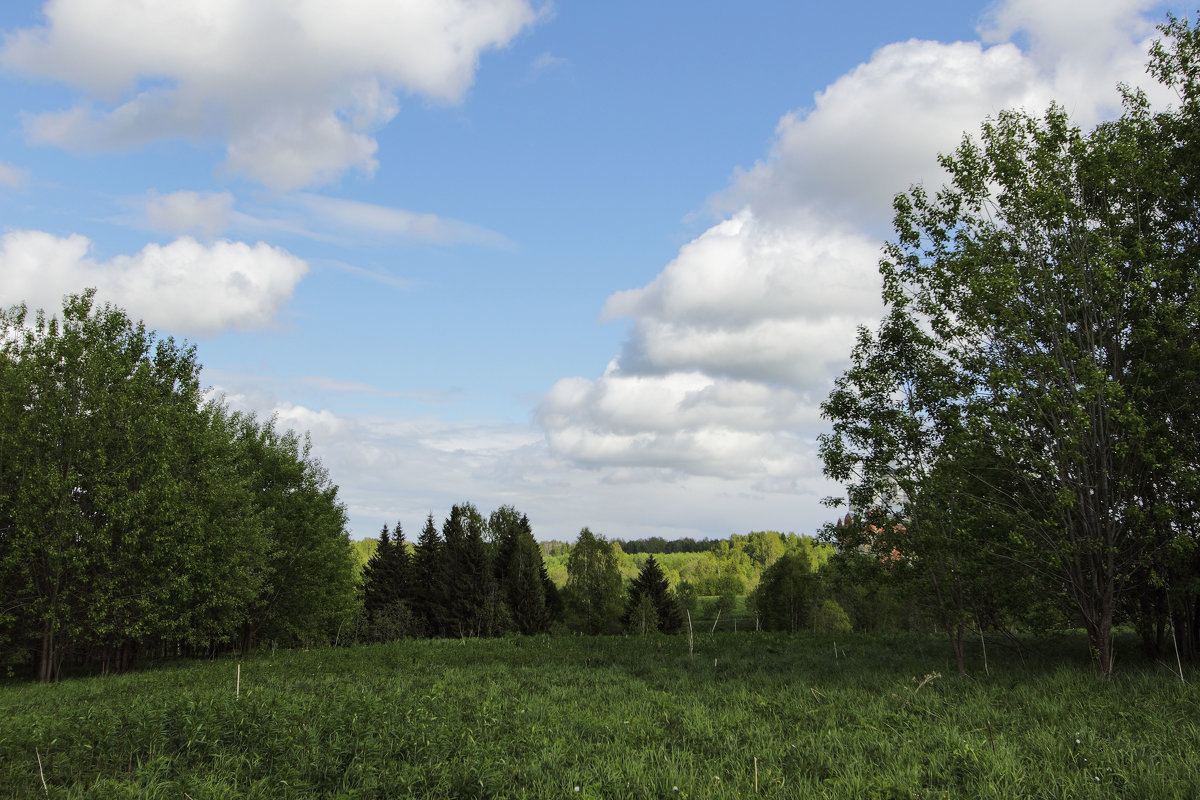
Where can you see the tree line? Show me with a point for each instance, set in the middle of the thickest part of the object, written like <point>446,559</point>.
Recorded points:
<point>473,577</point>
<point>657,544</point>
<point>1021,431</point>
<point>139,518</point>
<point>730,566</point>
<point>487,577</point>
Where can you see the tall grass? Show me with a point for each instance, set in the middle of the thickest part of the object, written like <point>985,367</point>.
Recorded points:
<point>612,717</point>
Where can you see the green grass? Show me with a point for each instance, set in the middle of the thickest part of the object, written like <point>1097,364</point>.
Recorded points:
<point>615,717</point>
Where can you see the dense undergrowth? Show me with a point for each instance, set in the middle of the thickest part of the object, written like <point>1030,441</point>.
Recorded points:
<point>537,717</point>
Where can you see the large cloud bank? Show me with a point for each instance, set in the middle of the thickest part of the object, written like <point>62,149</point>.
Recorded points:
<point>294,89</point>
<point>733,346</point>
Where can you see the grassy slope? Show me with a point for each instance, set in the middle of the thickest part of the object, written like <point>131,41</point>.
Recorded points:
<point>615,717</point>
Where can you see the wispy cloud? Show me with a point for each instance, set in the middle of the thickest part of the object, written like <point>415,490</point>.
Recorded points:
<point>210,214</point>
<point>262,388</point>
<point>12,177</point>
<point>546,61</point>
<point>336,385</point>
<point>353,215</point>
<point>370,274</point>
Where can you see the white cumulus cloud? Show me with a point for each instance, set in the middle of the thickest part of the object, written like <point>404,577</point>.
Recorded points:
<point>184,286</point>
<point>295,89</point>
<point>732,347</point>
<point>391,467</point>
<point>750,299</point>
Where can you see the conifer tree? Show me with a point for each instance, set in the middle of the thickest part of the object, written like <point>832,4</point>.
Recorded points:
<point>469,575</point>
<point>429,588</point>
<point>401,573</point>
<point>387,588</point>
<point>650,592</point>
<point>375,590</point>
<point>520,572</point>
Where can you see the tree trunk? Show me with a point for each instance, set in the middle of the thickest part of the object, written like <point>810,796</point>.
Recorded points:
<point>1100,638</point>
<point>45,670</point>
<point>956,641</point>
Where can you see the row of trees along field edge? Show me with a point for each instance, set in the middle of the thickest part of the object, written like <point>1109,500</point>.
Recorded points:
<point>139,518</point>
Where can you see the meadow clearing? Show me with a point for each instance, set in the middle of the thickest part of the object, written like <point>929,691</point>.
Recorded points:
<point>750,714</point>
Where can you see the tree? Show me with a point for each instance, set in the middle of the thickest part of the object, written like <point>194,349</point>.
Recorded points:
<point>1042,307</point>
<point>91,479</point>
<point>387,587</point>
<point>828,616</point>
<point>593,585</point>
<point>520,572</point>
<point>430,579</point>
<point>376,592</point>
<point>472,601</point>
<point>136,517</point>
<point>785,595</point>
<point>651,587</point>
<point>1166,580</point>
<point>309,591</point>
<point>689,598</point>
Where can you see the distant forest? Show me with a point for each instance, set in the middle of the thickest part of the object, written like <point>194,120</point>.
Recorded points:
<point>656,544</point>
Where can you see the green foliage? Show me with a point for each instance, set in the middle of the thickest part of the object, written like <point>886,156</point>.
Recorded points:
<point>782,601</point>
<point>472,600</point>
<point>721,606</point>
<point>363,550</point>
<point>592,599</point>
<point>641,616</point>
<point>661,546</point>
<point>650,592</point>
<point>388,588</point>
<point>520,574</point>
<point>431,579</point>
<point>1020,402</point>
<point>829,617</point>
<point>311,591</point>
<point>689,598</point>
<point>393,621</point>
<point>134,518</point>
<point>871,593</point>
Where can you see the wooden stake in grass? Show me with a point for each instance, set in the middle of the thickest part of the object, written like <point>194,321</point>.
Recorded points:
<point>237,686</point>
<point>983,644</point>
<point>756,774</point>
<point>691,653</point>
<point>41,774</point>
<point>715,621</point>
<point>1175,641</point>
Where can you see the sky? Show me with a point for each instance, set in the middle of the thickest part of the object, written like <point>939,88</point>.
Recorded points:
<point>598,261</point>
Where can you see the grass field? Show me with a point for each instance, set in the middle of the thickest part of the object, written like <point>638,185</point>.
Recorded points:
<point>753,714</point>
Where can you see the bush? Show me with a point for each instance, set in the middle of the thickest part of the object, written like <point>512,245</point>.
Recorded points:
<point>828,616</point>
<point>395,620</point>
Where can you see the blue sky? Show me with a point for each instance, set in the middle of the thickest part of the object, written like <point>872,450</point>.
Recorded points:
<point>600,261</point>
